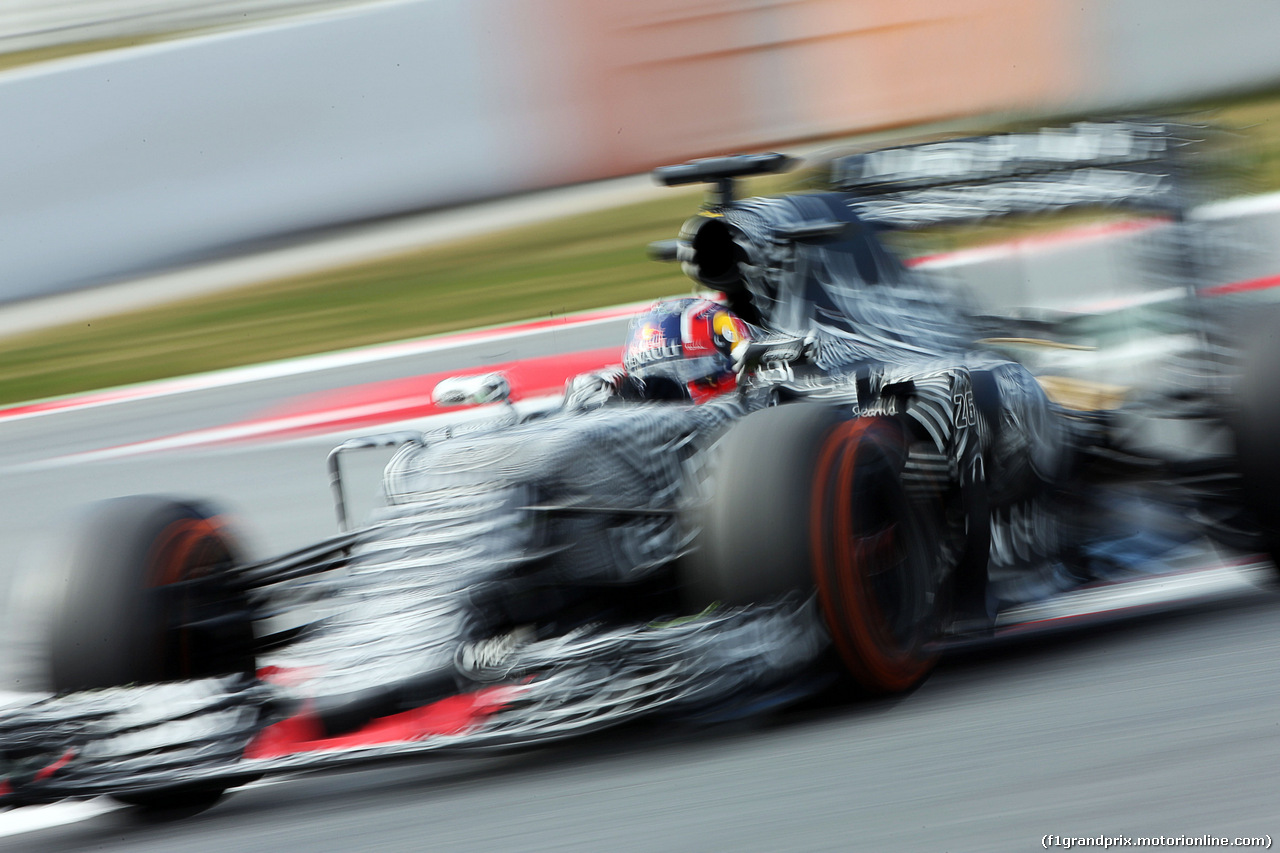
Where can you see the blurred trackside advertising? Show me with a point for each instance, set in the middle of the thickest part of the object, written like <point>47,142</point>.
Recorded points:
<point>658,81</point>
<point>125,161</point>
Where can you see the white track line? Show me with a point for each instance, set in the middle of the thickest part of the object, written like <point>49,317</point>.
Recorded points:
<point>33,818</point>
<point>266,429</point>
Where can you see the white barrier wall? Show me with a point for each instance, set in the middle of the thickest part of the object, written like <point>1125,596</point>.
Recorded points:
<point>145,157</point>
<point>120,162</point>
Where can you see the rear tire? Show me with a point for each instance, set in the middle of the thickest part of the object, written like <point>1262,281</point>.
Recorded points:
<point>146,599</point>
<point>801,499</point>
<point>1255,423</point>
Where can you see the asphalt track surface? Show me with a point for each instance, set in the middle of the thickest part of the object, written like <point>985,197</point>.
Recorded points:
<point>1167,726</point>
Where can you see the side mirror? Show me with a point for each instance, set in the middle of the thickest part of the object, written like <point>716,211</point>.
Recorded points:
<point>472,390</point>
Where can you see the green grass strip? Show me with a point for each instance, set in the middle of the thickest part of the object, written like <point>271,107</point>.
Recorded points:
<point>549,269</point>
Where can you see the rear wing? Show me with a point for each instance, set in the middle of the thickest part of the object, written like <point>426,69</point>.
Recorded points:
<point>754,249</point>
<point>1127,164</point>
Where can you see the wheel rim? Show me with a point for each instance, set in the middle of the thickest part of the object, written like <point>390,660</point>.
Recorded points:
<point>187,572</point>
<point>870,566</point>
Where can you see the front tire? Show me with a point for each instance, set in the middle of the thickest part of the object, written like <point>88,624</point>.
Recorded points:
<point>802,499</point>
<point>872,559</point>
<point>146,598</point>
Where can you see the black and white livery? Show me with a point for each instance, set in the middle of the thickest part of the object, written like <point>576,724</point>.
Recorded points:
<point>884,478</point>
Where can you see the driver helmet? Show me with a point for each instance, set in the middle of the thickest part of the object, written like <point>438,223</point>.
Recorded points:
<point>681,349</point>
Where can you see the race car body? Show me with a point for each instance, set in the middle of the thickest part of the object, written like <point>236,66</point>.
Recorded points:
<point>886,479</point>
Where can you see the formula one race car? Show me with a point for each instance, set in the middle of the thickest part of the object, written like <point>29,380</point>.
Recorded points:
<point>820,479</point>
